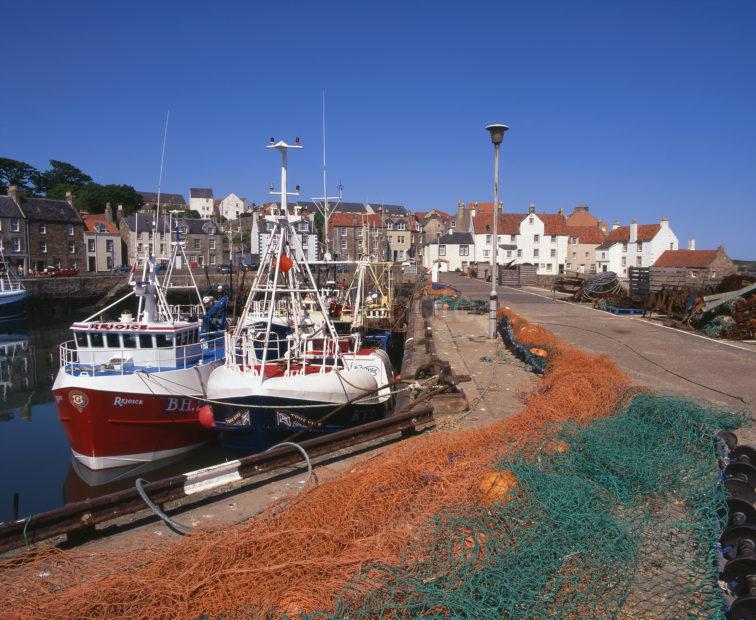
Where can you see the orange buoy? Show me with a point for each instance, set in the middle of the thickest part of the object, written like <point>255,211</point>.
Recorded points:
<point>496,485</point>
<point>205,416</point>
<point>286,263</point>
<point>539,352</point>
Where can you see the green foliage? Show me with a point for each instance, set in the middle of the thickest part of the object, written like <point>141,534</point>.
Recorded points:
<point>60,174</point>
<point>19,173</point>
<point>92,197</point>
<point>319,223</point>
<point>190,214</point>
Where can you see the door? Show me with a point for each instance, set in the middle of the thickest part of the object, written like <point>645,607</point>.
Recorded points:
<point>91,263</point>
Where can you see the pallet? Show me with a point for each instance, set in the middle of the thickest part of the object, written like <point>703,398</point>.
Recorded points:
<point>627,311</point>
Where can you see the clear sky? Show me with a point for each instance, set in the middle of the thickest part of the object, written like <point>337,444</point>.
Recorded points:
<point>640,109</point>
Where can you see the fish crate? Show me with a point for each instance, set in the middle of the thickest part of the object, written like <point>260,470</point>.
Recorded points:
<point>640,281</point>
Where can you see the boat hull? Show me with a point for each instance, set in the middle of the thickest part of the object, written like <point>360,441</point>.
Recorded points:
<point>120,420</point>
<point>13,305</point>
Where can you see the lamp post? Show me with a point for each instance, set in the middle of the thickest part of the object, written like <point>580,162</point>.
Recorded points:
<point>497,136</point>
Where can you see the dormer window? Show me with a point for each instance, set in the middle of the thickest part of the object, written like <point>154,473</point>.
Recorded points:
<point>401,226</point>
<point>531,220</point>
<point>453,224</point>
<point>100,228</point>
<point>389,226</point>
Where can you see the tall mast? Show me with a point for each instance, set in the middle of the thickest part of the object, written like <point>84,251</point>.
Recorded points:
<point>325,207</point>
<point>156,222</point>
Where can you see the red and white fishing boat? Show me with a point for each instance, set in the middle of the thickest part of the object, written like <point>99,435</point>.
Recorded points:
<point>126,388</point>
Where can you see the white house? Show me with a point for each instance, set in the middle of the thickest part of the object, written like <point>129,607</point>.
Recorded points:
<point>634,245</point>
<point>536,238</point>
<point>452,251</point>
<point>232,206</point>
<point>201,201</point>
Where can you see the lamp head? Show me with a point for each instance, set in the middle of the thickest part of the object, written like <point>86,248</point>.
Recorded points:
<point>497,132</point>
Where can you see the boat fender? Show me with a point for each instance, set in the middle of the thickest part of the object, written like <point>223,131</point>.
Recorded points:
<point>205,416</point>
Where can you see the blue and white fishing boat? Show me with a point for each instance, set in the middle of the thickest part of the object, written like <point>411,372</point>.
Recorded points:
<point>12,293</point>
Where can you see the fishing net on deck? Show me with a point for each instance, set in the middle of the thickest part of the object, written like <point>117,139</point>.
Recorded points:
<point>540,512</point>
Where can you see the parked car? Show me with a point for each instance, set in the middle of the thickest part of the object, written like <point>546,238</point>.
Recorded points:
<point>226,268</point>
<point>57,272</point>
<point>122,269</point>
<point>250,266</point>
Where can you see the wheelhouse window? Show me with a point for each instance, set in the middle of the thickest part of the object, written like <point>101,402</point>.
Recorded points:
<point>96,339</point>
<point>145,341</point>
<point>130,341</point>
<point>113,340</point>
<point>81,339</point>
<point>164,340</point>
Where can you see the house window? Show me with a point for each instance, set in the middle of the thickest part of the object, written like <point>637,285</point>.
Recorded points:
<point>109,262</point>
<point>108,245</point>
<point>464,250</point>
<point>90,245</point>
<point>389,225</point>
<point>14,225</point>
<point>671,246</point>
<point>587,255</point>
<point>16,244</point>
<point>70,230</point>
<point>343,231</point>
<point>442,250</point>
<point>531,221</point>
<point>509,253</point>
<point>624,261</point>
<point>139,247</point>
<point>43,247</point>
<point>548,266</point>
<point>553,253</point>
<point>638,261</point>
<point>400,239</point>
<point>488,239</point>
<point>519,253</point>
<point>535,253</point>
<point>42,228</point>
<point>536,238</point>
<point>512,238</point>
<point>486,253</point>
<point>71,247</point>
<point>453,224</point>
<point>573,240</point>
<point>401,226</point>
<point>344,244</point>
<point>574,255</point>
<point>640,246</point>
<point>211,243</point>
<point>624,247</point>
<point>201,260</point>
<point>162,249</point>
<point>100,228</point>
<point>197,244</point>
<point>212,259</point>
<point>553,238</point>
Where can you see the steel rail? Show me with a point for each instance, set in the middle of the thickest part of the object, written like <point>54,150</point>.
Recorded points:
<point>84,515</point>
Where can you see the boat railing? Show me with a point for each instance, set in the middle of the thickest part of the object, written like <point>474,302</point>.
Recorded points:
<point>186,310</point>
<point>124,361</point>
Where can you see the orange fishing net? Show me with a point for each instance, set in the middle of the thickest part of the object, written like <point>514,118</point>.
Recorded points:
<point>297,556</point>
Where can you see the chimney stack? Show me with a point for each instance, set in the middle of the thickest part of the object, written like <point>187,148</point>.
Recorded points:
<point>615,225</point>
<point>633,231</point>
<point>108,212</point>
<point>561,211</point>
<point>531,208</point>
<point>691,244</point>
<point>119,212</point>
<point>69,198</point>
<point>13,193</point>
<point>664,221</point>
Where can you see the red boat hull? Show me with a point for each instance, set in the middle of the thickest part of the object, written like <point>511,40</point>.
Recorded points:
<point>112,429</point>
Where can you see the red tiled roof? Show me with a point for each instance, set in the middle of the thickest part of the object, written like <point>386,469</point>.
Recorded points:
<point>482,207</point>
<point>646,232</point>
<point>691,259</point>
<point>553,223</point>
<point>582,218</point>
<point>91,219</point>
<point>354,220</point>
<point>586,234</point>
<point>508,224</point>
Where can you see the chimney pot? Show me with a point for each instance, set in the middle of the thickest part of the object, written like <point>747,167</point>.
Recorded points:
<point>615,225</point>
<point>531,208</point>
<point>13,193</point>
<point>69,198</point>
<point>691,244</point>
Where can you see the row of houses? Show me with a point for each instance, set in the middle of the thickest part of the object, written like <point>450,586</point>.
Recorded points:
<point>553,242</point>
<point>201,200</point>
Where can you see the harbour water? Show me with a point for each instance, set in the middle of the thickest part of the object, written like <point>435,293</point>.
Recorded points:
<point>35,457</point>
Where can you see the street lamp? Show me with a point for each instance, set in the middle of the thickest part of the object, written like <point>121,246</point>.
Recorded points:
<point>497,136</point>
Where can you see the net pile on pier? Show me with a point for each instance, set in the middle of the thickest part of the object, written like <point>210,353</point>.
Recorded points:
<point>586,525</point>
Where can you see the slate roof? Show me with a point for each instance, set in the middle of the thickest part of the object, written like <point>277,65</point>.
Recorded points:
<point>165,199</point>
<point>9,208</point>
<point>690,259</point>
<point>49,210</point>
<point>200,192</point>
<point>98,218</point>
<point>389,209</point>
<point>606,245</point>
<point>646,232</point>
<point>455,238</point>
<point>350,207</point>
<point>586,234</point>
<point>196,226</point>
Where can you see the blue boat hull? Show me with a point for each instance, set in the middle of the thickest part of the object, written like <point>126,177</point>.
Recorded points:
<point>13,306</point>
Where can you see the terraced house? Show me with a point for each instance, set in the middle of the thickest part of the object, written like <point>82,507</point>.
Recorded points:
<point>42,232</point>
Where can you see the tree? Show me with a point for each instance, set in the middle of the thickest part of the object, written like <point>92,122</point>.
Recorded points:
<point>14,172</point>
<point>190,213</point>
<point>60,173</point>
<point>319,222</point>
<point>92,197</point>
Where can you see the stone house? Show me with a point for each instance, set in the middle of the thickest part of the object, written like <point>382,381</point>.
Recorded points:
<point>702,266</point>
<point>203,240</point>
<point>201,201</point>
<point>13,234</point>
<point>638,245</point>
<point>52,232</point>
<point>232,207</point>
<point>167,201</point>
<point>581,248</point>
<point>434,224</point>
<point>102,241</point>
<point>353,235</point>
<point>404,235</point>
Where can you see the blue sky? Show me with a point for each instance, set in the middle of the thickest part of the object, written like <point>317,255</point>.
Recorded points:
<point>639,109</point>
